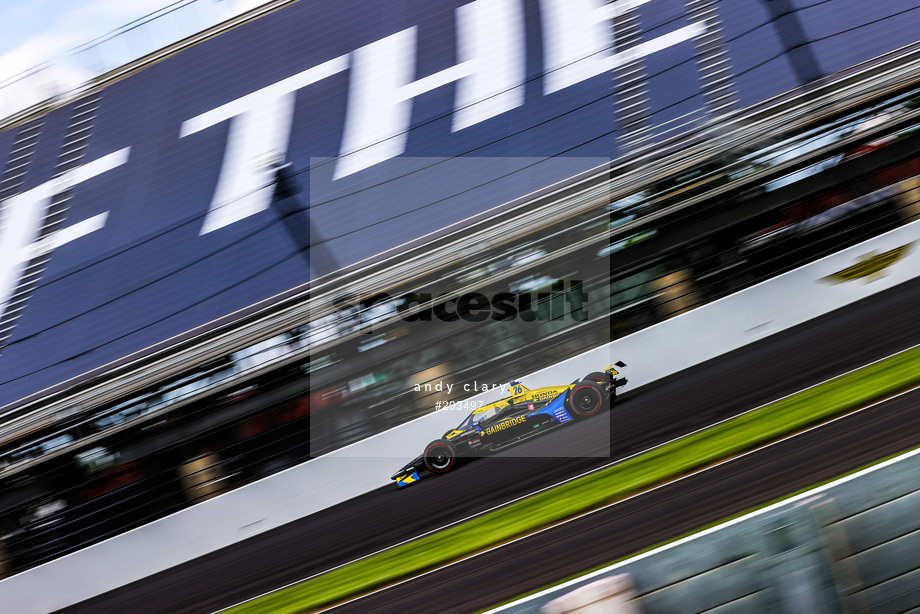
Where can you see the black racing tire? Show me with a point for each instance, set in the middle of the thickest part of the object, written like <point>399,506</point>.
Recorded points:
<point>586,398</point>
<point>440,456</point>
<point>604,379</point>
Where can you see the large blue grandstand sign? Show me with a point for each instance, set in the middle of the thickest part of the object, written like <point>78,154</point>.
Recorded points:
<point>168,215</point>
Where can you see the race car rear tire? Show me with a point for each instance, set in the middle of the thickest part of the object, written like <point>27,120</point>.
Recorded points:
<point>586,398</point>
<point>439,456</point>
<point>604,380</point>
<point>596,376</point>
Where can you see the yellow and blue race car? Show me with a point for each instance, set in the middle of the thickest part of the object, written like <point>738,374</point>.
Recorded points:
<point>521,415</point>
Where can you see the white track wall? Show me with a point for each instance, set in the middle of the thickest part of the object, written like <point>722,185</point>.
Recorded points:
<point>653,353</point>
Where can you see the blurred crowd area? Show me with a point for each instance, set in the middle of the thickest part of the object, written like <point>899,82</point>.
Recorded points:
<point>486,317</point>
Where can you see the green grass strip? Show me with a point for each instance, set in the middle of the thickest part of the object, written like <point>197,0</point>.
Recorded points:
<point>639,473</point>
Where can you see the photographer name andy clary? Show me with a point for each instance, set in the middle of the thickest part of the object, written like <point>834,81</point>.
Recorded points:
<point>476,307</point>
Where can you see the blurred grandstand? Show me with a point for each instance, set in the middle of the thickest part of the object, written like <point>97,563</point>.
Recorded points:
<point>140,376</point>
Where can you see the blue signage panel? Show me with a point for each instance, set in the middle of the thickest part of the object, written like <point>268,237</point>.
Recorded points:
<point>846,32</point>
<point>6,146</point>
<point>387,120</point>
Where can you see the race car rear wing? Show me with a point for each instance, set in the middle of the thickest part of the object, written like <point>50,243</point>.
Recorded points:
<point>612,368</point>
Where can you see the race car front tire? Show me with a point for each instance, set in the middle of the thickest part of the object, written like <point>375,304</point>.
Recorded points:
<point>440,456</point>
<point>586,398</point>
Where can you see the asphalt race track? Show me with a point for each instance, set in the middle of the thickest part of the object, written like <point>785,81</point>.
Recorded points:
<point>776,366</point>
<point>657,515</point>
